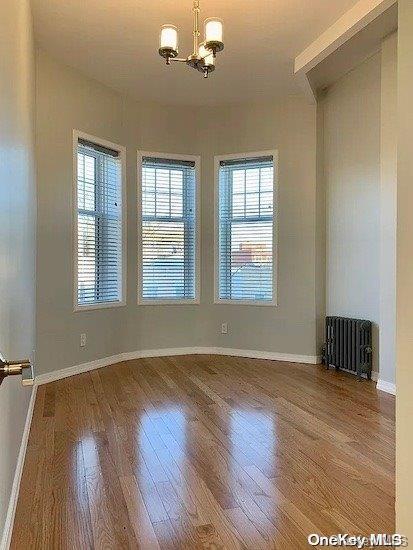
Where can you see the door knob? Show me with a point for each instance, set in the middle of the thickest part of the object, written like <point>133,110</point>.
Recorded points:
<point>13,368</point>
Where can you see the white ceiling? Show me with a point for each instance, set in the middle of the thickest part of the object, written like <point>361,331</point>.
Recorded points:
<point>116,42</point>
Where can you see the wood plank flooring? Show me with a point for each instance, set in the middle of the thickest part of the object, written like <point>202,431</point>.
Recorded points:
<point>206,452</point>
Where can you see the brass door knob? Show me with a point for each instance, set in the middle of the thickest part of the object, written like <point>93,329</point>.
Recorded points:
<point>13,368</point>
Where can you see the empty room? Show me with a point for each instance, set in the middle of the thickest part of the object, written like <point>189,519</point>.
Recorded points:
<point>206,276</point>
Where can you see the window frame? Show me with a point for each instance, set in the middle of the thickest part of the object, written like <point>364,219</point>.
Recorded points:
<point>246,156</point>
<point>170,156</point>
<point>77,134</point>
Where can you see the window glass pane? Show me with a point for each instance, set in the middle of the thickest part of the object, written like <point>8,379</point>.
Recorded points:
<point>86,258</point>
<point>148,204</point>
<point>252,180</point>
<point>86,182</point>
<point>163,260</point>
<point>176,206</point>
<point>238,181</point>
<point>266,204</point>
<point>163,205</point>
<point>266,180</point>
<point>177,180</point>
<point>238,205</point>
<point>162,180</point>
<point>252,201</point>
<point>251,261</point>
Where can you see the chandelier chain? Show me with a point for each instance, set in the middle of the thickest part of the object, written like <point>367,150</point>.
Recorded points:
<point>196,32</point>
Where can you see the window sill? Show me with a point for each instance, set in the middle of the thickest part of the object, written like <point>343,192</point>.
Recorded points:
<point>273,303</point>
<point>195,302</point>
<point>91,307</point>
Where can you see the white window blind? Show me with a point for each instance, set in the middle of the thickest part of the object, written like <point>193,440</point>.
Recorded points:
<point>246,229</point>
<point>99,224</point>
<point>169,227</point>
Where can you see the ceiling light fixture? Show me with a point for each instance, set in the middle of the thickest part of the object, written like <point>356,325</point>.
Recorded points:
<point>204,54</point>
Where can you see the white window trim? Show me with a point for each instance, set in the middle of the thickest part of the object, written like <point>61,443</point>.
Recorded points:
<point>122,153</point>
<point>171,156</point>
<point>240,156</point>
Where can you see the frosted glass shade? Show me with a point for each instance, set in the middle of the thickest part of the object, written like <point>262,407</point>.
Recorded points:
<point>206,55</point>
<point>169,38</point>
<point>213,30</point>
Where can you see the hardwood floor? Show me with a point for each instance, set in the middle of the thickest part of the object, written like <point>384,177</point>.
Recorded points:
<point>206,452</point>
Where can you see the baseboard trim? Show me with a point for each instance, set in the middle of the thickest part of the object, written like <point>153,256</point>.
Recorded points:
<point>14,495</point>
<point>387,387</point>
<point>77,369</point>
<point>165,352</point>
<point>269,355</point>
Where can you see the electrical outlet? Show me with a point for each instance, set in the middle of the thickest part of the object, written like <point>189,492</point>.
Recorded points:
<point>82,340</point>
<point>224,328</point>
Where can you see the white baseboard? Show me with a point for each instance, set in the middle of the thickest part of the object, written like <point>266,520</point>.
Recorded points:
<point>14,495</point>
<point>387,387</point>
<point>381,384</point>
<point>270,355</point>
<point>165,352</point>
<point>77,369</point>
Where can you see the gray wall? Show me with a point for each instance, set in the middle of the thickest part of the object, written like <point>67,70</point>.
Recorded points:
<point>68,100</point>
<point>17,227</point>
<point>352,178</point>
<point>290,127</point>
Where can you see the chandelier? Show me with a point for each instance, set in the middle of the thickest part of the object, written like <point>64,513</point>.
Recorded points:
<point>204,54</point>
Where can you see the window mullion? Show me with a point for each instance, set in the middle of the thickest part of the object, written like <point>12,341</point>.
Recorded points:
<point>100,229</point>
<point>229,235</point>
<point>186,213</point>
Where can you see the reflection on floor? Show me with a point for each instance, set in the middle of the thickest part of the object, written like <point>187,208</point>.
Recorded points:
<point>206,452</point>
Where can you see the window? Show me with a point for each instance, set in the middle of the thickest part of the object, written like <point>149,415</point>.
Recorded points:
<point>245,259</point>
<point>99,238</point>
<point>169,269</point>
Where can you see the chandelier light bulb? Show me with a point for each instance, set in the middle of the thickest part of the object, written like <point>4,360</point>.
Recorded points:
<point>213,30</point>
<point>206,56</point>
<point>168,42</point>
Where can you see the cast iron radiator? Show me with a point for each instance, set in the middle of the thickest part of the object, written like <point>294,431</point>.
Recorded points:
<point>348,345</point>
